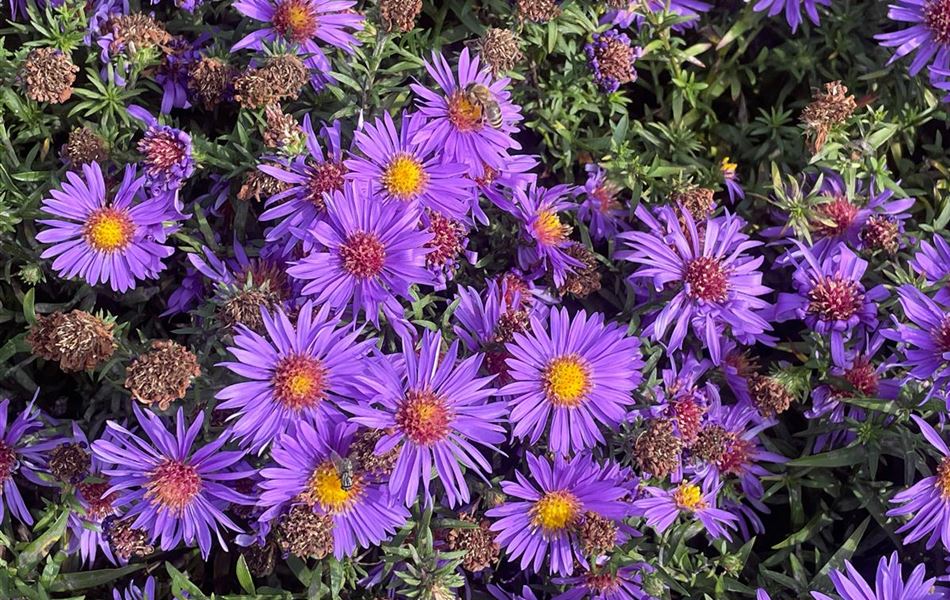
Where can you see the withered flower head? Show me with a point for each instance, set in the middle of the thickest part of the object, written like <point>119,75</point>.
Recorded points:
<point>478,542</point>
<point>47,75</point>
<point>84,147</point>
<point>258,185</point>
<point>657,450</point>
<point>399,15</point>
<point>211,81</point>
<point>582,281</point>
<point>78,340</point>
<point>769,396</point>
<point>539,11</point>
<point>305,534</point>
<point>125,540</point>
<point>698,201</point>
<point>363,453</point>
<point>282,129</point>
<point>163,374</point>
<point>137,31</point>
<point>281,78</point>
<point>500,49</point>
<point>69,463</point>
<point>831,107</point>
<point>597,534</point>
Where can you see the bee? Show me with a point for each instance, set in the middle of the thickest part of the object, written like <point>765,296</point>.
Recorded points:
<point>482,97</point>
<point>344,468</point>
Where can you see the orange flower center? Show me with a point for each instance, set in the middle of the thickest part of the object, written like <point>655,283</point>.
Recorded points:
<point>548,229</point>
<point>689,497</point>
<point>174,485</point>
<point>463,113</point>
<point>300,382</point>
<point>424,418</point>
<point>943,478</point>
<point>295,19</point>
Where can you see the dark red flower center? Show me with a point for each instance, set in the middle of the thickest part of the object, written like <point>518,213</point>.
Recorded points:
<point>605,195</point>
<point>941,334</point>
<point>863,377</point>
<point>323,178</point>
<point>602,583</point>
<point>736,456</point>
<point>881,232</point>
<point>100,505</point>
<point>8,462</point>
<point>423,417</point>
<point>162,149</point>
<point>295,20</point>
<point>835,299</point>
<point>447,241</point>
<point>363,255</point>
<point>174,485</point>
<point>706,280</point>
<point>300,382</point>
<point>937,18</point>
<point>488,176</point>
<point>689,417</point>
<point>835,217</point>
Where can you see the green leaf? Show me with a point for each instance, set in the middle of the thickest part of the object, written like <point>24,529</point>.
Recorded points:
<point>842,457</point>
<point>244,576</point>
<point>81,580</point>
<point>29,308</point>
<point>39,548</point>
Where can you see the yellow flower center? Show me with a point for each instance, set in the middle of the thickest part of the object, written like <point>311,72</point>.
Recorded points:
<point>943,478</point>
<point>556,511</point>
<point>566,381</point>
<point>548,228</point>
<point>325,489</point>
<point>728,167</point>
<point>295,19</point>
<point>463,113</point>
<point>404,178</point>
<point>689,497</point>
<point>109,230</point>
<point>300,382</point>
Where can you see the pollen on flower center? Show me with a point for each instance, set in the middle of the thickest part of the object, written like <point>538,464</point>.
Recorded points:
<point>566,381</point>
<point>109,230</point>
<point>728,168</point>
<point>603,583</point>
<point>548,228</point>
<point>834,299</point>
<point>173,485</point>
<point>100,505</point>
<point>556,511</point>
<point>423,417</point>
<point>943,478</point>
<point>295,19</point>
<point>937,18</point>
<point>325,489</point>
<point>323,178</point>
<point>8,461</point>
<point>834,218</point>
<point>363,255</point>
<point>689,497</point>
<point>735,455</point>
<point>404,177</point>
<point>463,113</point>
<point>862,377</point>
<point>300,382</point>
<point>706,280</point>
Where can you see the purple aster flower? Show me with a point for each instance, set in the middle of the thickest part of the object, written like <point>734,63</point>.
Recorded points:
<point>304,23</point>
<point>311,178</point>
<point>173,490</point>
<point>134,592</point>
<point>297,372</point>
<point>682,399</point>
<point>539,519</point>
<point>761,594</point>
<point>633,13</point>
<point>457,124</point>
<point>173,72</point>
<point>186,294</point>
<point>544,237</point>
<point>86,526</point>
<point>611,58</point>
<point>601,210</point>
<point>494,183</point>
<point>793,10</point>
<point>266,271</point>
<point>604,583</point>
<point>928,35</point>
<point>662,507</point>
<point>118,240</point>
<point>22,452</point>
<point>933,262</point>
<point>499,594</point>
<point>576,372</point>
<point>830,297</point>
<point>715,284</point>
<point>733,185</point>
<point>889,583</point>
<point>363,515</point>
<point>928,500</point>
<point>401,169</point>
<point>925,342</point>
<point>369,254</point>
<point>863,379</point>
<point>436,410</point>
<point>168,161</point>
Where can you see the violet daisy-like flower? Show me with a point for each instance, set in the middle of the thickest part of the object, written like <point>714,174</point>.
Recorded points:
<point>88,538</point>
<point>633,12</point>
<point>173,73</point>
<point>22,452</point>
<point>310,178</point>
<point>792,9</point>
<point>540,518</point>
<point>460,120</point>
<point>118,239</point>
<point>661,508</point>
<point>928,34</point>
<point>436,411</point>
<point>544,237</point>
<point>927,501</point>
<point>305,24</point>
<point>683,399</point>
<point>830,297</point>
<point>168,161</point>
<point>925,341</point>
<point>401,169</point>
<point>715,285</point>
<point>605,583</point>
<point>733,186</point>
<point>307,471</point>
<point>889,583</point>
<point>601,210</point>
<point>369,255</point>
<point>576,373</point>
<point>171,488</point>
<point>296,372</point>
<point>932,260</point>
<point>134,592</point>
<point>497,184</point>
